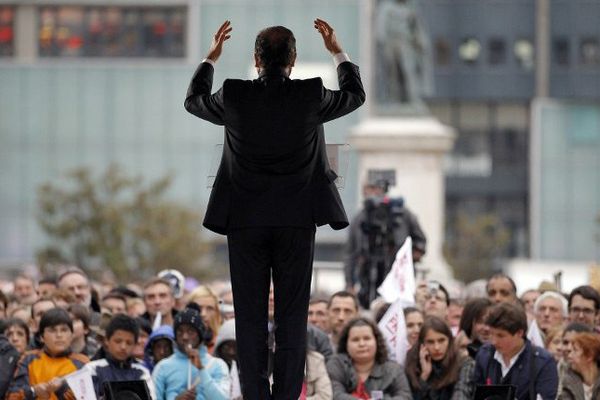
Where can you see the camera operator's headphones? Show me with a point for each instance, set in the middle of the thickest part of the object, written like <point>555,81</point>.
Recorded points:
<point>191,316</point>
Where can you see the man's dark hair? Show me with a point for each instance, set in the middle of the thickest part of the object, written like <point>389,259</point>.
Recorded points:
<point>3,299</point>
<point>509,317</point>
<point>381,354</point>
<point>502,276</point>
<point>124,291</point>
<point>473,311</point>
<point>122,322</point>
<point>41,300</point>
<point>15,322</point>
<point>588,293</point>
<point>577,327</point>
<point>81,313</point>
<point>48,280</point>
<point>54,317</point>
<point>275,47</point>
<point>144,325</point>
<point>117,296</point>
<point>343,293</point>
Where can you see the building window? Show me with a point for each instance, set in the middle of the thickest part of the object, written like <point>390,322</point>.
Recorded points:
<point>560,51</point>
<point>443,52</point>
<point>590,51</point>
<point>7,36</point>
<point>524,54</point>
<point>471,155</point>
<point>497,51</point>
<point>100,31</point>
<point>469,50</point>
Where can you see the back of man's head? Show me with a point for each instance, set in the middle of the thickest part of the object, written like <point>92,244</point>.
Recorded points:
<point>275,48</point>
<point>122,322</point>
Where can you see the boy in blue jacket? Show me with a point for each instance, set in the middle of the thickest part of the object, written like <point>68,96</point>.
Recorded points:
<point>118,363</point>
<point>191,373</point>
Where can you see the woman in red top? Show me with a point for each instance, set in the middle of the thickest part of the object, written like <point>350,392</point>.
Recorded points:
<point>361,369</point>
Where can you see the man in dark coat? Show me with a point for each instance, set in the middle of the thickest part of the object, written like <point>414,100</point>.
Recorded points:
<point>273,186</point>
<point>511,359</point>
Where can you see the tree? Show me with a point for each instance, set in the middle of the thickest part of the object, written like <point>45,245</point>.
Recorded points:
<point>118,222</point>
<point>476,243</point>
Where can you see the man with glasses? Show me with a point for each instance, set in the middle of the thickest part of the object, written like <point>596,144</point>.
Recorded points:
<point>584,303</point>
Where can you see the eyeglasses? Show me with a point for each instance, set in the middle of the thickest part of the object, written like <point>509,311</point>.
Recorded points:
<point>584,311</point>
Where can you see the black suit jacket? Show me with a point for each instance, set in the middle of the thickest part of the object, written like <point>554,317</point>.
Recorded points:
<point>274,169</point>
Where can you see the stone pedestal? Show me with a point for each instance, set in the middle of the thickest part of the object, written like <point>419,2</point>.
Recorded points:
<point>414,147</point>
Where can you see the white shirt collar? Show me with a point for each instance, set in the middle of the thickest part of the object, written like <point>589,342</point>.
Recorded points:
<point>505,368</point>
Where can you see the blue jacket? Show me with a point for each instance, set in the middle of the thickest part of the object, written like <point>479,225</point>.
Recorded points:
<point>110,370</point>
<point>171,377</point>
<point>545,373</point>
<point>162,332</point>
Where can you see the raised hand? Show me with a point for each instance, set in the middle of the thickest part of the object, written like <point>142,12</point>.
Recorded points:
<point>216,47</point>
<point>189,394</point>
<point>194,357</point>
<point>328,34</point>
<point>425,361</point>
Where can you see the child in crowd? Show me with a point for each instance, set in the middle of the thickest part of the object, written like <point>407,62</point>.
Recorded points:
<point>160,346</point>
<point>17,333</point>
<point>39,373</point>
<point>191,373</point>
<point>119,364</point>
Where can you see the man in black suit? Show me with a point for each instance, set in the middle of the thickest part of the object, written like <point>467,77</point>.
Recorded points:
<point>274,185</point>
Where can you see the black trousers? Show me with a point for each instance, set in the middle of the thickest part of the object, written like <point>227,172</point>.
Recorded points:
<point>256,254</point>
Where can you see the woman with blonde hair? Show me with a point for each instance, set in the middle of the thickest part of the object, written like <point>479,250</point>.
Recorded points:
<point>208,303</point>
<point>553,342</point>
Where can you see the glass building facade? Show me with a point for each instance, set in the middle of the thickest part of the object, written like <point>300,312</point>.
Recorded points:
<point>83,83</point>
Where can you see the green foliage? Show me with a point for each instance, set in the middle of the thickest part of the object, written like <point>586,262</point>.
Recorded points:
<point>119,222</point>
<point>477,241</point>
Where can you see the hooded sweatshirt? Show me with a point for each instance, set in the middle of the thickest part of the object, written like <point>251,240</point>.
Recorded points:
<point>171,378</point>
<point>226,333</point>
<point>162,332</point>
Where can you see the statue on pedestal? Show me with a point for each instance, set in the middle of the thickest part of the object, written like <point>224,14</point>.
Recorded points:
<point>403,66</point>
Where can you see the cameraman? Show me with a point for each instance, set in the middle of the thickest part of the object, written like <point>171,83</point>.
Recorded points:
<point>376,234</point>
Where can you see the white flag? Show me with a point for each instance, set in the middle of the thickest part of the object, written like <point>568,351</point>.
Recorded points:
<point>534,335</point>
<point>81,384</point>
<point>393,328</point>
<point>400,281</point>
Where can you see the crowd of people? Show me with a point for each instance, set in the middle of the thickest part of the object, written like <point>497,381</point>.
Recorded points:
<point>180,341</point>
